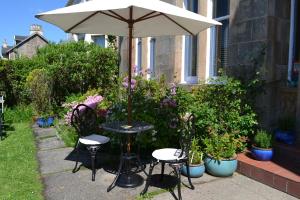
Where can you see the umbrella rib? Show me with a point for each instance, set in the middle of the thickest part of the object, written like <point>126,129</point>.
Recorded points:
<point>172,20</point>
<point>88,17</point>
<point>113,16</point>
<point>121,18</point>
<point>147,17</point>
<point>141,18</point>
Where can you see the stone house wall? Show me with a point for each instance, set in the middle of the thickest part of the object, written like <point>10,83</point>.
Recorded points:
<point>29,48</point>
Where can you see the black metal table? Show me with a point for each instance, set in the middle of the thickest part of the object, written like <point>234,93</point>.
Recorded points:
<point>125,177</point>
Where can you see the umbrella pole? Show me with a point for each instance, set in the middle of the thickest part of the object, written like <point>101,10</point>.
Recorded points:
<point>129,106</point>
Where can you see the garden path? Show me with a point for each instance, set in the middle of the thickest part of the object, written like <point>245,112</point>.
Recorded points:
<point>57,161</point>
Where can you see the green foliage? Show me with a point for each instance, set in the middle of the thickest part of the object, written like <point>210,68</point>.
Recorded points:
<point>19,114</point>
<point>263,139</point>
<point>73,67</point>
<point>220,106</point>
<point>220,146</point>
<point>76,67</point>
<point>196,155</point>
<point>20,178</point>
<point>68,134</point>
<point>39,85</point>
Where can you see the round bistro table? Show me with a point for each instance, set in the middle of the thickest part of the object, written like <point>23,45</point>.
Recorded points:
<point>125,177</point>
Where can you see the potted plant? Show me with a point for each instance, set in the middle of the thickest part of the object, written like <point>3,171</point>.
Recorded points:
<point>39,85</point>
<point>221,159</point>
<point>196,164</point>
<point>261,149</point>
<point>285,132</point>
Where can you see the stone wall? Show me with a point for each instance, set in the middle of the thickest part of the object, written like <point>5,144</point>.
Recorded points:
<point>29,48</point>
<point>259,41</point>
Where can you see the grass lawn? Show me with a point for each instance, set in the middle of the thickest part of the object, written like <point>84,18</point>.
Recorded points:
<point>19,175</point>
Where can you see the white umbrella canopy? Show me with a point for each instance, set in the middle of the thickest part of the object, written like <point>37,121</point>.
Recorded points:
<point>111,17</point>
<point>132,18</point>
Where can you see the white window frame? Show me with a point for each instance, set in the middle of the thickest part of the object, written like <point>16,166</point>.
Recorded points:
<point>185,79</point>
<point>211,43</point>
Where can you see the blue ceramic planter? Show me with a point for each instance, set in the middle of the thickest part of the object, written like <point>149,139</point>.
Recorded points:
<point>195,170</point>
<point>287,137</point>
<point>262,154</point>
<point>220,168</point>
<point>42,122</point>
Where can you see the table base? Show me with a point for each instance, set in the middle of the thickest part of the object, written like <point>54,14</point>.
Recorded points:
<point>129,180</point>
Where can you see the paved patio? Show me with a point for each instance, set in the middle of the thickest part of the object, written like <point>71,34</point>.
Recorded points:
<point>57,162</point>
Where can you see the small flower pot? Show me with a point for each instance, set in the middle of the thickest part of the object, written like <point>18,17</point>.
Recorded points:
<point>45,122</point>
<point>287,137</point>
<point>221,168</point>
<point>195,170</point>
<point>262,154</point>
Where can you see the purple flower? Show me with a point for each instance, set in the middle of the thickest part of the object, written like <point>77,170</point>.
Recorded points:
<point>173,89</point>
<point>125,83</point>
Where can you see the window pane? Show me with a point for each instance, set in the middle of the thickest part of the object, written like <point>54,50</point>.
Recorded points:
<point>221,36</point>
<point>152,57</point>
<point>99,40</point>
<point>221,8</point>
<point>191,46</point>
<point>139,55</point>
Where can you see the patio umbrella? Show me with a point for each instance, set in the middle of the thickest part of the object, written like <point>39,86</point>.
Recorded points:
<point>131,18</point>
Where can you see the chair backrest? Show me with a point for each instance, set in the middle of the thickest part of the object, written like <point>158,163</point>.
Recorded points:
<point>84,120</point>
<point>187,133</point>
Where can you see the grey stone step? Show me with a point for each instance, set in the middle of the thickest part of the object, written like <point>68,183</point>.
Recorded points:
<point>49,143</point>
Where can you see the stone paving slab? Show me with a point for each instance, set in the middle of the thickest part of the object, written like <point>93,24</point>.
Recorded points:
<point>236,188</point>
<point>78,186</point>
<point>49,143</point>
<point>44,132</point>
<point>52,161</point>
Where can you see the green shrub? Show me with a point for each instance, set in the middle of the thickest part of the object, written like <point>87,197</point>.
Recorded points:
<point>263,139</point>
<point>220,146</point>
<point>220,106</point>
<point>39,86</point>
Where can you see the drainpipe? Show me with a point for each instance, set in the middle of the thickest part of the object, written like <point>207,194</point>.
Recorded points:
<point>292,34</point>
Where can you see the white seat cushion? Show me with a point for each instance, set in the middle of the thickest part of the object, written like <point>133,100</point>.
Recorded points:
<point>167,154</point>
<point>94,139</point>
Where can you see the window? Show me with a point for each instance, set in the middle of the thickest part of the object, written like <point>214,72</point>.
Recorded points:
<point>152,58</point>
<point>99,40</point>
<point>81,36</point>
<point>190,47</point>
<point>139,55</point>
<point>219,37</point>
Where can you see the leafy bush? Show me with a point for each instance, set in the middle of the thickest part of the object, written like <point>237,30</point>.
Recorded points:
<point>74,67</point>
<point>263,139</point>
<point>39,85</point>
<point>220,146</point>
<point>220,106</point>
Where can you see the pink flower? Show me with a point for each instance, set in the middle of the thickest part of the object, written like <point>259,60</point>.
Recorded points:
<point>125,83</point>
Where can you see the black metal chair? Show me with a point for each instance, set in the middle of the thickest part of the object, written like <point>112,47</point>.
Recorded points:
<point>84,120</point>
<point>175,157</point>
